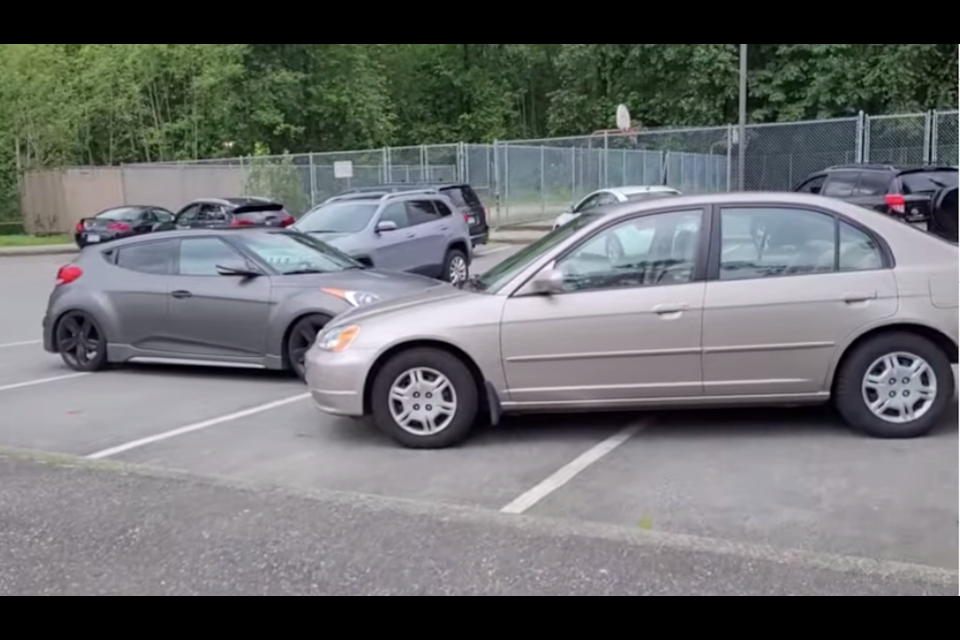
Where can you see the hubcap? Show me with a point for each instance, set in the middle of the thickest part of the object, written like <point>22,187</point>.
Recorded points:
<point>423,402</point>
<point>900,388</point>
<point>458,271</point>
<point>78,340</point>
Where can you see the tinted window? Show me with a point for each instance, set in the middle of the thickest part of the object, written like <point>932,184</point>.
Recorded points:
<point>443,209</point>
<point>260,216</point>
<point>124,214</point>
<point>212,213</point>
<point>464,197</point>
<point>200,256</point>
<point>156,257</point>
<point>874,183</point>
<point>928,181</point>
<point>814,186</point>
<point>590,203</point>
<point>163,215</point>
<point>189,214</point>
<point>858,251</point>
<point>287,252</point>
<point>422,212</point>
<point>338,217</point>
<point>769,243</point>
<point>397,214</point>
<point>649,251</point>
<point>841,185</point>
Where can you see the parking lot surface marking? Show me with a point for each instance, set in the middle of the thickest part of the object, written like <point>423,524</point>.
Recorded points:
<point>20,344</point>
<point>36,383</point>
<point>200,426</point>
<point>565,475</point>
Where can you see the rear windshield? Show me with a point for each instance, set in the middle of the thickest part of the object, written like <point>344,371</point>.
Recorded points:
<point>259,215</point>
<point>338,217</point>
<point>928,181</point>
<point>463,198</point>
<point>123,214</point>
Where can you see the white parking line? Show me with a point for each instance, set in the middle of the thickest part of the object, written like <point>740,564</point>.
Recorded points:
<point>491,252</point>
<point>193,428</point>
<point>11,345</point>
<point>34,383</point>
<point>564,476</point>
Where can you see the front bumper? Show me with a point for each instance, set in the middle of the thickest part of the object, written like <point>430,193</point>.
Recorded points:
<point>48,342</point>
<point>337,380</point>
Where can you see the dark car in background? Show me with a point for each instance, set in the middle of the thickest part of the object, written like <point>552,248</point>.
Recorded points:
<point>224,213</point>
<point>915,195</point>
<point>120,222</point>
<point>462,195</point>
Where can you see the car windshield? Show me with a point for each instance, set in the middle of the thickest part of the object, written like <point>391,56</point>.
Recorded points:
<point>293,253</point>
<point>498,277</point>
<point>338,217</point>
<point>929,181</point>
<point>124,214</point>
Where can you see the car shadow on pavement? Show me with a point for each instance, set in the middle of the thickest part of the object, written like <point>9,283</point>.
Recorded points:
<point>206,373</point>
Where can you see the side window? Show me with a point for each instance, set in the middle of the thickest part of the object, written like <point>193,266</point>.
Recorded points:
<point>212,213</point>
<point>189,214</point>
<point>148,216</point>
<point>591,203</point>
<point>858,251</point>
<point>874,183</point>
<point>200,256</point>
<point>814,186</point>
<point>605,199</point>
<point>655,250</point>
<point>770,243</point>
<point>457,197</point>
<point>157,258</point>
<point>442,209</point>
<point>842,185</point>
<point>163,215</point>
<point>422,212</point>
<point>397,214</point>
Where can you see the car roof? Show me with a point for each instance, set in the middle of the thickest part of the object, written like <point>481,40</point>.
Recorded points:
<point>892,168</point>
<point>411,186</point>
<point>189,233</point>
<point>234,202</point>
<point>632,191</point>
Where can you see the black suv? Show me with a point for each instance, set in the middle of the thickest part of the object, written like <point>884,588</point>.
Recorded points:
<point>916,195</point>
<point>462,195</point>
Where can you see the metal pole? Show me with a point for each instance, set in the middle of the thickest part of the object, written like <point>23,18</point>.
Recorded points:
<point>744,88</point>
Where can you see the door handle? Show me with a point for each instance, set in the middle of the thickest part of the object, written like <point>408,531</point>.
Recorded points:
<point>671,309</point>
<point>181,295</point>
<point>855,298</point>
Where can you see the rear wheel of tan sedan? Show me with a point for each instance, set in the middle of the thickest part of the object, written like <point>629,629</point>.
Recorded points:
<point>425,399</point>
<point>895,386</point>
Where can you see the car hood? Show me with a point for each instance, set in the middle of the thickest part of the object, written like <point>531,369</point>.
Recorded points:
<point>424,298</point>
<point>384,284</point>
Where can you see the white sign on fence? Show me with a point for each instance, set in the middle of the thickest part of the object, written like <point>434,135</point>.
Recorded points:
<point>343,170</point>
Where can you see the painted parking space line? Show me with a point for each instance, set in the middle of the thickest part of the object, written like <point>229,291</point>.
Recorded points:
<point>35,383</point>
<point>12,345</point>
<point>491,252</point>
<point>567,474</point>
<point>193,428</point>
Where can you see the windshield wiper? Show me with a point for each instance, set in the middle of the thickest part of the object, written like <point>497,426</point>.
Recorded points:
<point>321,231</point>
<point>305,272</point>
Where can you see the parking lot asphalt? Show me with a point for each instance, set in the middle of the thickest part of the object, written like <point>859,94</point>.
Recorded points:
<point>793,479</point>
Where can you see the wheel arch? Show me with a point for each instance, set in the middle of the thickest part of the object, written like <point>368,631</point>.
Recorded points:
<point>386,356</point>
<point>461,245</point>
<point>943,341</point>
<point>284,354</point>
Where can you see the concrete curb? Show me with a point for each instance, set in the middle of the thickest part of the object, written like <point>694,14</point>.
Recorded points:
<point>54,250</point>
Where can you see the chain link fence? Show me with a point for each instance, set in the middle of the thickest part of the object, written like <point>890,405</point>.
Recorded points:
<point>529,181</point>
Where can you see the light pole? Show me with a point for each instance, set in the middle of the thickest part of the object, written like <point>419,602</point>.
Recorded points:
<point>744,49</point>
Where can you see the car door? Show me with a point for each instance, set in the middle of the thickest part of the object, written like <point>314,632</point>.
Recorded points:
<point>213,315</point>
<point>188,216</point>
<point>139,293</point>
<point>784,298</point>
<point>624,332</point>
<point>395,250</point>
<point>429,242</point>
<point>146,223</point>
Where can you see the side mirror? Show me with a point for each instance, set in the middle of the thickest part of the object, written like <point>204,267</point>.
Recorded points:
<point>386,227</point>
<point>548,282</point>
<point>238,268</point>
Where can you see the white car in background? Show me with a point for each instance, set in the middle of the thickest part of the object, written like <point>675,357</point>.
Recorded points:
<point>616,195</point>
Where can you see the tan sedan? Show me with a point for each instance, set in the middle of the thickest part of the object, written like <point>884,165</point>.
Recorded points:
<point>712,301</point>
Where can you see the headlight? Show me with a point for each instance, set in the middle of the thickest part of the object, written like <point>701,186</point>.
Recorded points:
<point>354,298</point>
<point>338,339</point>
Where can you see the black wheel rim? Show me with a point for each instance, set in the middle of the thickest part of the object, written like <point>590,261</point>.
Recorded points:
<point>78,340</point>
<point>301,341</point>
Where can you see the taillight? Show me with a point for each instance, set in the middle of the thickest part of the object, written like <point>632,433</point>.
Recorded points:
<point>897,204</point>
<point>466,218</point>
<point>118,226</point>
<point>288,221</point>
<point>79,228</point>
<point>237,222</point>
<point>68,275</point>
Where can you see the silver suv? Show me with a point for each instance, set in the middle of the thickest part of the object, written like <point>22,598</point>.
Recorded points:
<point>415,232</point>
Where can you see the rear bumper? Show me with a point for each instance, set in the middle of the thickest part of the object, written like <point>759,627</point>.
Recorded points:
<point>480,237</point>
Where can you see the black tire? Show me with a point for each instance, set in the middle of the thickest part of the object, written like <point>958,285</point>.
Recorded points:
<point>81,342</point>
<point>300,339</point>
<point>458,426</point>
<point>456,268</point>
<point>851,403</point>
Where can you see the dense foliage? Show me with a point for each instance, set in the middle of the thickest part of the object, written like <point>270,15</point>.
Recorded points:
<point>112,103</point>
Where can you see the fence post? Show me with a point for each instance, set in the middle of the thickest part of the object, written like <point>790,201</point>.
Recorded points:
<point>861,138</point>
<point>496,182</point>
<point>935,138</point>
<point>424,163</point>
<point>543,180</point>
<point>313,182</point>
<point>867,134</point>
<point>929,155</point>
<point>730,158</point>
<point>605,162</point>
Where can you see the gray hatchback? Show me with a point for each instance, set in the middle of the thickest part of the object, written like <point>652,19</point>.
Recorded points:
<point>415,231</point>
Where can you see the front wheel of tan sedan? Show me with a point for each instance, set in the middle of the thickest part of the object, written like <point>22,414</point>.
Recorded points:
<point>895,386</point>
<point>425,399</point>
